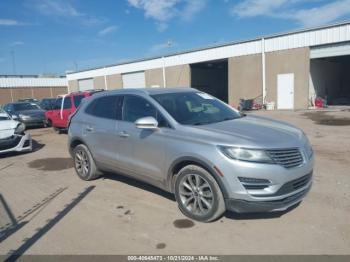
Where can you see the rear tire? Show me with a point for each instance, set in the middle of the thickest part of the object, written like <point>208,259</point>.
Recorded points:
<point>84,164</point>
<point>198,194</point>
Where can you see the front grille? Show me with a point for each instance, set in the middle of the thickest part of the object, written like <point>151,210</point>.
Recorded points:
<point>288,158</point>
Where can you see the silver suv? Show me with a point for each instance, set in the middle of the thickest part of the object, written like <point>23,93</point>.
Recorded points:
<point>212,157</point>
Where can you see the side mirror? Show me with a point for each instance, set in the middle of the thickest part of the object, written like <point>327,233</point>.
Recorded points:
<point>14,117</point>
<point>148,122</point>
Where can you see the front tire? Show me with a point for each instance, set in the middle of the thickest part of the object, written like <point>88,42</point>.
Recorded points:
<point>84,164</point>
<point>198,194</point>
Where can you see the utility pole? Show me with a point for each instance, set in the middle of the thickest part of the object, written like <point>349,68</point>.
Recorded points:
<point>13,61</point>
<point>168,45</point>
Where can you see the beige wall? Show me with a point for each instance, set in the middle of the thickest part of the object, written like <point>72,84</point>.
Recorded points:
<point>40,93</point>
<point>295,61</point>
<point>99,82</point>
<point>245,78</point>
<point>73,85</point>
<point>178,76</point>
<point>59,91</point>
<point>114,82</point>
<point>154,77</point>
<point>5,95</point>
<point>29,92</point>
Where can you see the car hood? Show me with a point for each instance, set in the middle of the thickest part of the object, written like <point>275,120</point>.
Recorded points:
<point>253,132</point>
<point>7,128</point>
<point>31,112</point>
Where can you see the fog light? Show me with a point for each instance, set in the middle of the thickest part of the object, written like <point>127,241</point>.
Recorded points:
<point>254,183</point>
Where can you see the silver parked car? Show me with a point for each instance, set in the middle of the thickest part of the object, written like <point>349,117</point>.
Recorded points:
<point>212,157</point>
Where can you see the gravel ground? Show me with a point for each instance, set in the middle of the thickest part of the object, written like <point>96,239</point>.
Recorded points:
<point>46,209</point>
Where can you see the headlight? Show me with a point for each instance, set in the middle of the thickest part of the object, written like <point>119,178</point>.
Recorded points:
<point>250,155</point>
<point>308,148</point>
<point>20,129</point>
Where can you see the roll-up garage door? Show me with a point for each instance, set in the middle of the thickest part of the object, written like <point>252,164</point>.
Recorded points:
<point>134,80</point>
<point>86,84</point>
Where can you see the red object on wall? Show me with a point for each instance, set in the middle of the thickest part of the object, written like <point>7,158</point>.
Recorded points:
<point>320,103</point>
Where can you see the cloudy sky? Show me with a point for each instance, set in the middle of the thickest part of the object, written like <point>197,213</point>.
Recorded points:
<point>53,36</point>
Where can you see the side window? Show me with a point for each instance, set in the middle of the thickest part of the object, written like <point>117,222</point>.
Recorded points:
<point>57,104</point>
<point>106,107</point>
<point>135,107</point>
<point>67,104</point>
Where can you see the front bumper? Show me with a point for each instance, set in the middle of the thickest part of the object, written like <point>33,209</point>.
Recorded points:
<point>286,187</point>
<point>16,143</point>
<point>30,122</point>
<point>243,206</point>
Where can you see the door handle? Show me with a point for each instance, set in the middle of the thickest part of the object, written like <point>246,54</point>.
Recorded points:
<point>123,134</point>
<point>89,129</point>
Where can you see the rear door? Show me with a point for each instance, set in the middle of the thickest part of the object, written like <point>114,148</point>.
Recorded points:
<point>55,114</point>
<point>100,129</point>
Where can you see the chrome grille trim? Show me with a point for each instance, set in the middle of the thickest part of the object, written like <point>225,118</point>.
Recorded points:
<point>289,158</point>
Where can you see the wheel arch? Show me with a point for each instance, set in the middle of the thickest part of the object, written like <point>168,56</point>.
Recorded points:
<point>181,162</point>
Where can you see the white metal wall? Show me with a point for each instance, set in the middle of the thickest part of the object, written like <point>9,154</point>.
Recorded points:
<point>330,50</point>
<point>306,38</point>
<point>8,82</point>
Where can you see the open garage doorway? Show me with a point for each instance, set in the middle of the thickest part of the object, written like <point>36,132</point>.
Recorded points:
<point>330,79</point>
<point>211,77</point>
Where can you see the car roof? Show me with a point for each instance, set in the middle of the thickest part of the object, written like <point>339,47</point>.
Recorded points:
<point>19,103</point>
<point>152,91</point>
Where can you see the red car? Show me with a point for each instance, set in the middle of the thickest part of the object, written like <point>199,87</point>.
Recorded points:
<point>65,106</point>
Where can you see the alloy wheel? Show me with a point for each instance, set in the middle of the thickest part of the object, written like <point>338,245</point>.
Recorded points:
<point>196,194</point>
<point>82,163</point>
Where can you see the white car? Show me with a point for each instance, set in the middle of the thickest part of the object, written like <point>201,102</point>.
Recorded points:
<point>12,136</point>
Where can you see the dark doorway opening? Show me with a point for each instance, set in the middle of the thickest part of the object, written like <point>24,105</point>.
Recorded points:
<point>331,79</point>
<point>212,78</point>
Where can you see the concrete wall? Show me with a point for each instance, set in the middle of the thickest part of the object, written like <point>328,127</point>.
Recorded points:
<point>5,95</point>
<point>8,95</point>
<point>40,93</point>
<point>59,91</point>
<point>178,76</point>
<point>114,82</point>
<point>154,77</point>
<point>73,85</point>
<point>99,82</point>
<point>295,61</point>
<point>245,78</point>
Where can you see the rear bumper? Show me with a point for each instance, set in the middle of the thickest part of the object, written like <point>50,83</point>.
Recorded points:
<point>17,143</point>
<point>243,206</point>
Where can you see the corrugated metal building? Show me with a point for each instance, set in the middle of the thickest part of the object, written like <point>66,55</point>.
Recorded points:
<point>17,87</point>
<point>289,69</point>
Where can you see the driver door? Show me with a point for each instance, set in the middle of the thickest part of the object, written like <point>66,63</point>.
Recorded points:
<point>142,152</point>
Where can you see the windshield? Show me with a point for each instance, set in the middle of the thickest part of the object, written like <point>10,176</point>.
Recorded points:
<point>25,106</point>
<point>195,108</point>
